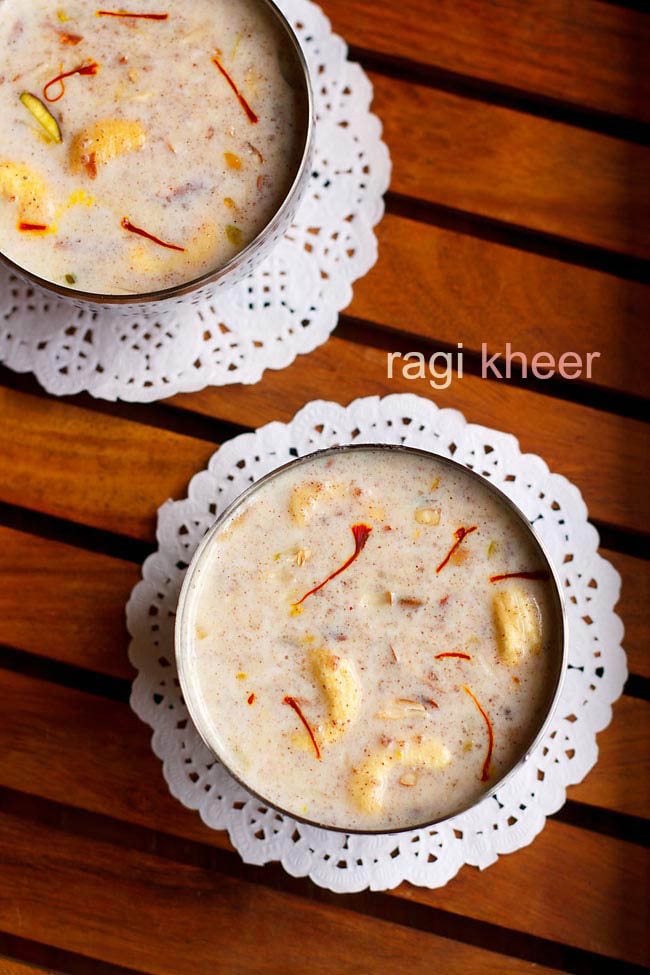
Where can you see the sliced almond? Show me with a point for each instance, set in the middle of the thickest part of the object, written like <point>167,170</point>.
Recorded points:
<point>402,708</point>
<point>302,555</point>
<point>104,140</point>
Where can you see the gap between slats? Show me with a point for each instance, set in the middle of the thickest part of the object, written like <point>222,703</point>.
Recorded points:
<point>606,822</point>
<point>503,96</point>
<point>380,906</point>
<point>45,959</point>
<point>589,54</point>
<point>389,339</point>
<point>539,242</point>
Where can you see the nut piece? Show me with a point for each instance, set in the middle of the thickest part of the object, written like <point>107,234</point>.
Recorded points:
<point>428,516</point>
<point>27,188</point>
<point>341,688</point>
<point>102,141</point>
<point>301,556</point>
<point>304,498</point>
<point>408,779</point>
<point>518,624</point>
<point>369,779</point>
<point>43,116</point>
<point>402,708</point>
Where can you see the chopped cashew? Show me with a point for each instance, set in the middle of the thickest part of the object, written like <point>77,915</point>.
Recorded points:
<point>27,188</point>
<point>307,495</point>
<point>518,624</point>
<point>338,679</point>
<point>342,691</point>
<point>102,141</point>
<point>369,779</point>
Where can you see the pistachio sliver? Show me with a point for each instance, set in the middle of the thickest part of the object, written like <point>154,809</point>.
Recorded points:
<point>234,235</point>
<point>42,115</point>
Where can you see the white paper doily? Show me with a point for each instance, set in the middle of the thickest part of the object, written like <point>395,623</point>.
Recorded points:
<point>430,857</point>
<point>289,305</point>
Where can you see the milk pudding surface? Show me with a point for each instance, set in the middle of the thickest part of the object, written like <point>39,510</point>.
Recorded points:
<point>372,640</point>
<point>168,144</point>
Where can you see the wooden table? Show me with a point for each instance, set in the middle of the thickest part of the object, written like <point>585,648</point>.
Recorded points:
<point>518,212</point>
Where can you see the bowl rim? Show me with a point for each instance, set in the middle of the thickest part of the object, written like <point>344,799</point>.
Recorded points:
<point>181,645</point>
<point>213,276</point>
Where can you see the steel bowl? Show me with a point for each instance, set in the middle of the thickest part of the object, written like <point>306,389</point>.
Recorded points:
<point>183,635</point>
<point>208,284</point>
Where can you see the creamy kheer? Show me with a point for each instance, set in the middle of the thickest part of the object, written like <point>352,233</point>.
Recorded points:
<point>372,639</point>
<point>141,148</point>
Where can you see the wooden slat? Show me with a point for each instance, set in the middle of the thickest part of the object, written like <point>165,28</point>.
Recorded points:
<point>621,780</point>
<point>78,620</point>
<point>450,287</point>
<point>79,600</point>
<point>613,482</point>
<point>588,53</point>
<point>515,167</point>
<point>565,877</point>
<point>115,773</point>
<point>112,474</point>
<point>100,470</point>
<point>633,609</point>
<point>76,599</point>
<point>10,967</point>
<point>97,754</point>
<point>120,743</point>
<point>159,916</point>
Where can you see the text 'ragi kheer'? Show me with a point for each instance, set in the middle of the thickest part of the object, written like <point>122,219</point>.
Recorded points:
<point>142,148</point>
<point>371,640</point>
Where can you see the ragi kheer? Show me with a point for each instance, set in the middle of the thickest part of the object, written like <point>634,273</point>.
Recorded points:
<point>141,149</point>
<point>371,639</point>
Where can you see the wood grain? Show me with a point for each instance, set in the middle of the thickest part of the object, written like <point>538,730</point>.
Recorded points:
<point>516,168</point>
<point>10,967</point>
<point>621,779</point>
<point>115,740</point>
<point>115,773</point>
<point>77,600</point>
<point>158,916</point>
<point>609,467</point>
<point>588,54</point>
<point>564,879</point>
<point>101,470</point>
<point>633,609</point>
<point>105,863</point>
<point>449,287</point>
<point>112,474</point>
<point>80,596</point>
